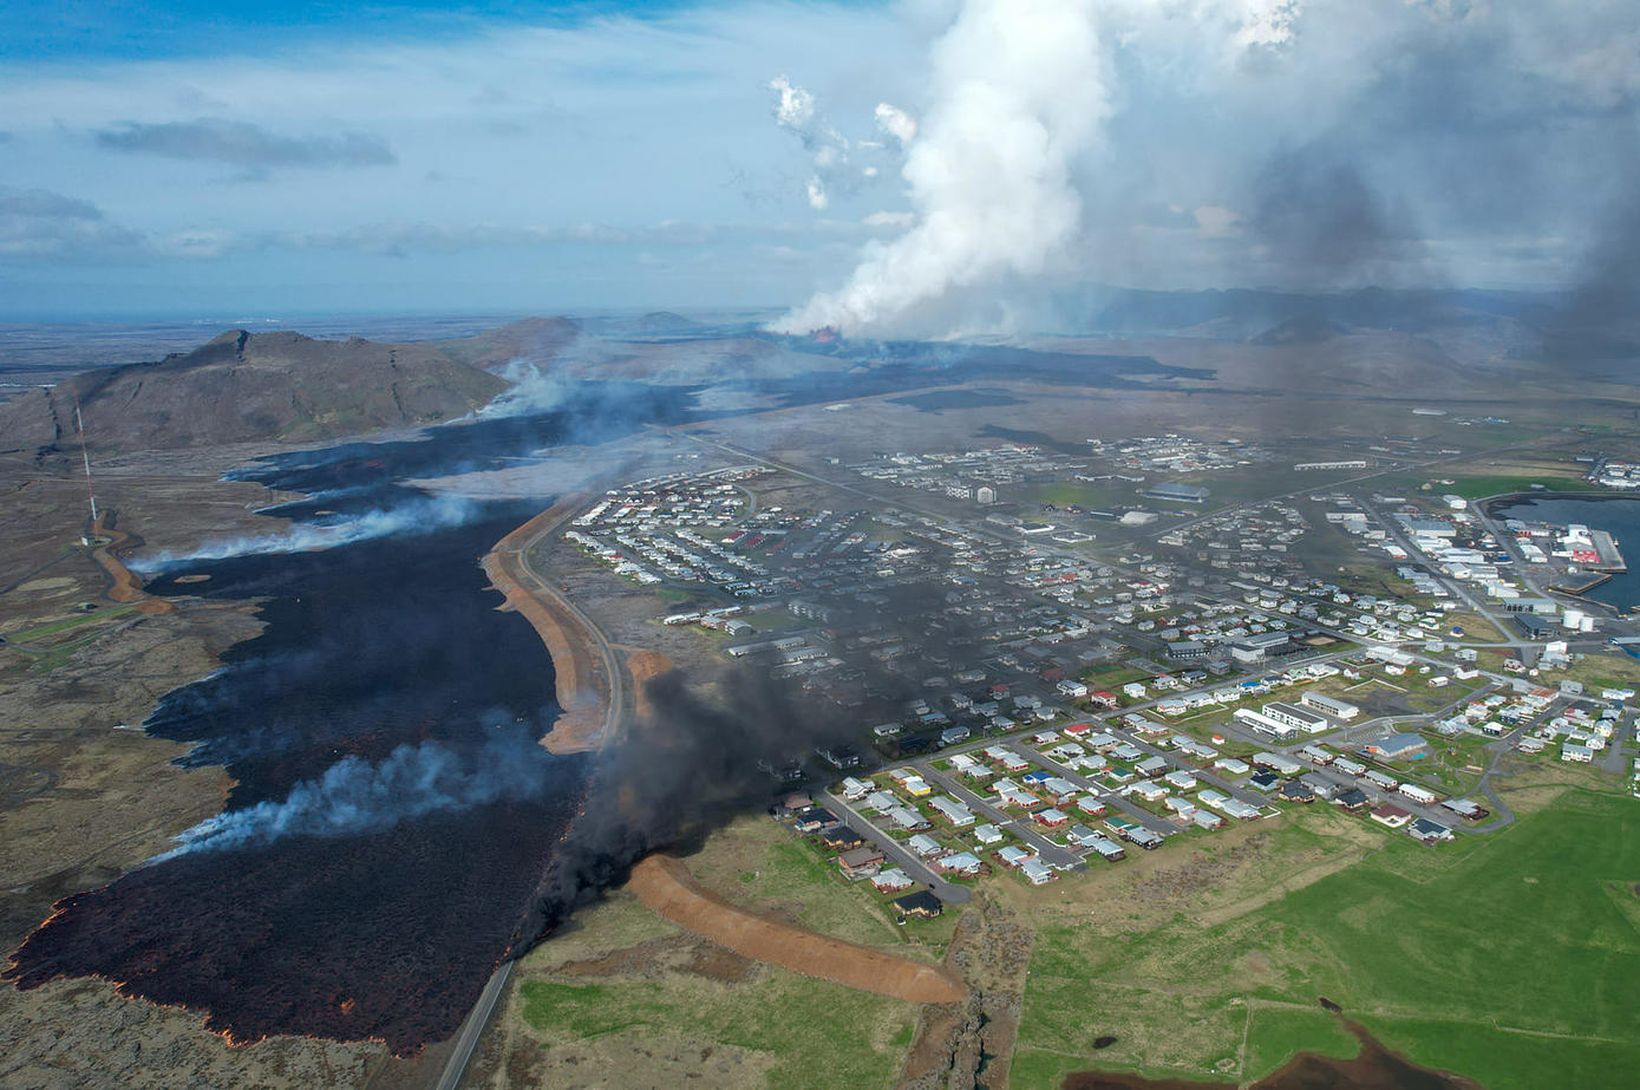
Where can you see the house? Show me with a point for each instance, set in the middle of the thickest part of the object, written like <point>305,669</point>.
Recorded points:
<point>1382,780</point>
<point>1060,790</point>
<point>1052,817</point>
<point>1102,699</point>
<point>1232,766</point>
<point>924,845</point>
<point>1264,781</point>
<point>1353,799</point>
<point>1181,780</point>
<point>1149,790</point>
<point>1278,763</point>
<point>1391,815</point>
<point>1036,872</point>
<point>987,835</point>
<point>1080,836</point>
<point>813,820</point>
<point>1014,856</point>
<point>1296,791</point>
<point>841,838</point>
<point>1324,789</point>
<point>1073,690</point>
<point>966,864</point>
<point>1090,805</point>
<point>854,790</point>
<point>921,905</point>
<point>881,802</point>
<point>891,880</point>
<point>1467,809</point>
<point>1317,755</point>
<point>1429,832</point>
<point>1349,767</point>
<point>1421,795</point>
<point>953,811</point>
<point>1107,849</point>
<point>1182,808</point>
<point>908,819</point>
<point>860,862</point>
<point>916,787</point>
<point>1571,751</point>
<point>1206,819</point>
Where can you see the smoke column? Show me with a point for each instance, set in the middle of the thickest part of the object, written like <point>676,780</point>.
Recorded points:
<point>1018,89</point>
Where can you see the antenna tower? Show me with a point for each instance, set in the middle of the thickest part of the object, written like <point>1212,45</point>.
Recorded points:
<point>85,458</point>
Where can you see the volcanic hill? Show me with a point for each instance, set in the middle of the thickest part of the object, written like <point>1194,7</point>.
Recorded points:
<point>243,387</point>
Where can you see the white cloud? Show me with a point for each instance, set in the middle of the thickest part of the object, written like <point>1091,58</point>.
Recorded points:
<point>896,123</point>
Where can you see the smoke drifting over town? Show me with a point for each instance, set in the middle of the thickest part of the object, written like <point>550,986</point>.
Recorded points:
<point>1298,143</point>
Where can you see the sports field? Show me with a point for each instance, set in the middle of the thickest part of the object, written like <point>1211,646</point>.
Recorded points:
<point>1512,958</point>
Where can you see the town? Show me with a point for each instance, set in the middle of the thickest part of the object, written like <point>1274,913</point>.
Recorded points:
<point>1041,688</point>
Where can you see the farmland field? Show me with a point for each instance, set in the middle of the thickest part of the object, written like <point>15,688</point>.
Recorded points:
<point>1475,957</point>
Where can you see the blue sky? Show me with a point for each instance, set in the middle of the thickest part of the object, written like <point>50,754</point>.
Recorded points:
<point>165,159</point>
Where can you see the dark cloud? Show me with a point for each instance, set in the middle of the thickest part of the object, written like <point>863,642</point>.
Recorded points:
<point>38,223</point>
<point>242,144</point>
<point>1319,217</point>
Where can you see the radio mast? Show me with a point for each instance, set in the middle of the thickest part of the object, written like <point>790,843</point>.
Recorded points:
<point>85,457</point>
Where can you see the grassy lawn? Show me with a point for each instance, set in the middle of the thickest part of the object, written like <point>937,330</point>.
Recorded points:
<point>1473,488</point>
<point>1512,958</point>
<point>65,624</point>
<point>796,1021</point>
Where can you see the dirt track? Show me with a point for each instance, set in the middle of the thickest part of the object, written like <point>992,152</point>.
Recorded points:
<point>664,884</point>
<point>583,688</point>
<point>126,586</point>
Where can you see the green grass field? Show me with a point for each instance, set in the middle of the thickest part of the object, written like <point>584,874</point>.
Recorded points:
<point>796,1020</point>
<point>1474,488</point>
<point>1512,958</point>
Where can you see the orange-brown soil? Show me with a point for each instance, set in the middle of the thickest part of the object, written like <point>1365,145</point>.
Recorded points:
<point>583,688</point>
<point>126,587</point>
<point>664,884</point>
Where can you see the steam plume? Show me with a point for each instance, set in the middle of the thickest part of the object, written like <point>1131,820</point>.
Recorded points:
<point>354,796</point>
<point>417,516</point>
<point>1019,89</point>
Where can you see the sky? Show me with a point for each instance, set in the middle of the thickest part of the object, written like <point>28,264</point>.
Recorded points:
<point>912,164</point>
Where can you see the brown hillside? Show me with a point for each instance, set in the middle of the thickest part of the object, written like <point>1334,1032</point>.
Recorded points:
<point>243,387</point>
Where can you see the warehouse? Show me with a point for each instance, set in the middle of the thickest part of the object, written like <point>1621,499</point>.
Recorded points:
<point>1178,493</point>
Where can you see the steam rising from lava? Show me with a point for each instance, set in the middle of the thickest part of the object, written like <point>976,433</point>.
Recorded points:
<point>419,516</point>
<point>354,796</point>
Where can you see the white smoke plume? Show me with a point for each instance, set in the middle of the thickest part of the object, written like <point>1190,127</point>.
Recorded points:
<point>354,796</point>
<point>1019,88</point>
<point>418,516</point>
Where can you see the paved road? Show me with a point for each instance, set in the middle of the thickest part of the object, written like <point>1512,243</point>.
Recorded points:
<point>472,1030</point>
<point>949,892</point>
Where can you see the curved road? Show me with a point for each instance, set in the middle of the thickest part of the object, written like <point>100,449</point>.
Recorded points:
<point>471,1033</point>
